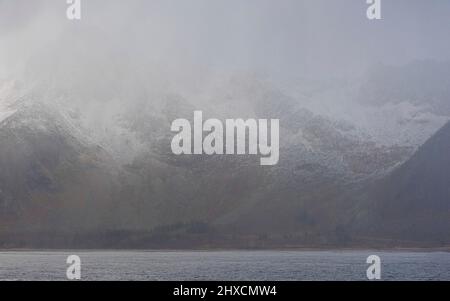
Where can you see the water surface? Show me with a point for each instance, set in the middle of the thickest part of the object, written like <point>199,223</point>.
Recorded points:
<point>224,265</point>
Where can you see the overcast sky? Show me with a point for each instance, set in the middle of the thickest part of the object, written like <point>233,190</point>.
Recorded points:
<point>313,38</point>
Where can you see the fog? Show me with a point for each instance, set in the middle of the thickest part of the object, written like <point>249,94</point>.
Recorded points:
<point>287,38</point>
<point>139,50</point>
<point>86,109</point>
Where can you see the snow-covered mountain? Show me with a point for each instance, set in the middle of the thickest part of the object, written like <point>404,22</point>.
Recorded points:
<point>62,154</point>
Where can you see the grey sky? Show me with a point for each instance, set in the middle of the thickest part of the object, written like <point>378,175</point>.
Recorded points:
<point>313,38</point>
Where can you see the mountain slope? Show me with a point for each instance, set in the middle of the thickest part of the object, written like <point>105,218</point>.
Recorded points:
<point>413,202</point>
<point>50,179</point>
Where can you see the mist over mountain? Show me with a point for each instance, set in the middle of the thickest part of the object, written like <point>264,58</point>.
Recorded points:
<point>422,83</point>
<point>56,163</point>
<point>86,109</point>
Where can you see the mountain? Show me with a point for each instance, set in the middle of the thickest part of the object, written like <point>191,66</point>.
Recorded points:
<point>51,178</point>
<point>412,203</point>
<point>404,104</point>
<point>97,175</point>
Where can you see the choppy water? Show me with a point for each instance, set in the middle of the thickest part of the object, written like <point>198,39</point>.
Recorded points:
<point>226,265</point>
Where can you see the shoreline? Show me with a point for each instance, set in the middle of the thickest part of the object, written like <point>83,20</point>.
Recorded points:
<point>213,250</point>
